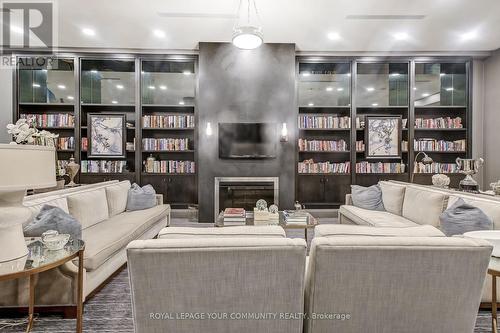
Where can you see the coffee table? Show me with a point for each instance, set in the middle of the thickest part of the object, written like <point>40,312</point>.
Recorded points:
<point>494,271</point>
<point>312,222</point>
<point>41,259</point>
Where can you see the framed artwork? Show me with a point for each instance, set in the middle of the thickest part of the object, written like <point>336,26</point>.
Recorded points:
<point>383,136</point>
<point>106,135</point>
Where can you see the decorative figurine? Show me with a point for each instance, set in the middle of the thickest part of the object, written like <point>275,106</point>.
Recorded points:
<point>273,209</point>
<point>261,205</point>
<point>440,180</point>
<point>469,167</point>
<point>72,170</point>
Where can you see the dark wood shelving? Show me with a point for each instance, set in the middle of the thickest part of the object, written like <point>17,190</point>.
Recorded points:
<point>167,129</point>
<point>166,174</point>
<point>324,152</point>
<point>168,151</point>
<point>441,129</point>
<point>323,174</point>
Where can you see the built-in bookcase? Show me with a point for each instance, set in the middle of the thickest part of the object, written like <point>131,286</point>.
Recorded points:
<point>431,98</point>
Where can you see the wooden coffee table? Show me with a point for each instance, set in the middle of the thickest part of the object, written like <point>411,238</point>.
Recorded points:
<point>312,222</point>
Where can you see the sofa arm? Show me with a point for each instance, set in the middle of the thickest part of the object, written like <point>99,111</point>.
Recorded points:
<point>159,199</point>
<point>348,199</point>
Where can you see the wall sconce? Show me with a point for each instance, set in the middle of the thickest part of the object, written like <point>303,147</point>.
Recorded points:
<point>208,129</point>
<point>284,133</point>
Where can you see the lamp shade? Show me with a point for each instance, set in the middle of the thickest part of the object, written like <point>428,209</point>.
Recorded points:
<point>26,167</point>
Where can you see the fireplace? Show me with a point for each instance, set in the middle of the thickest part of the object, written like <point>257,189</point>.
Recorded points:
<point>243,192</point>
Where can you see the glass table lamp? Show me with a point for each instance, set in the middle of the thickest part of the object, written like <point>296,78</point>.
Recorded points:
<point>22,167</point>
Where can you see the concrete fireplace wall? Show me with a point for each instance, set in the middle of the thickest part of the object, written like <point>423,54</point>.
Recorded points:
<point>245,86</point>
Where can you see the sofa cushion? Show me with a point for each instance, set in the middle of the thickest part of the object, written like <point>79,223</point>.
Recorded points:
<point>490,207</point>
<point>462,217</point>
<point>117,197</point>
<point>140,198</point>
<point>367,197</point>
<point>333,230</point>
<point>35,205</point>
<point>374,218</point>
<point>89,207</point>
<point>104,239</point>
<point>424,206</point>
<point>235,231</point>
<point>392,196</point>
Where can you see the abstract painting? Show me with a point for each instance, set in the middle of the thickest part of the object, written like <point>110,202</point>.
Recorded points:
<point>383,136</point>
<point>106,135</point>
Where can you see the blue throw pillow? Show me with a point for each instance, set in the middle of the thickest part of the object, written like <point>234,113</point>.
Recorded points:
<point>367,197</point>
<point>53,218</point>
<point>140,198</point>
<point>462,217</point>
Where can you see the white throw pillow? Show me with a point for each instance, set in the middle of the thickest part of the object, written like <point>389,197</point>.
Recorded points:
<point>423,206</point>
<point>89,207</point>
<point>117,197</point>
<point>393,196</point>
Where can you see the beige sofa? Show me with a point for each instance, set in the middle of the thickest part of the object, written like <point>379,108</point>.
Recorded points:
<point>107,228</point>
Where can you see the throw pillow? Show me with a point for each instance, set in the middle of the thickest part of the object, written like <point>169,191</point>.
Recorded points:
<point>140,198</point>
<point>53,218</point>
<point>367,197</point>
<point>462,217</point>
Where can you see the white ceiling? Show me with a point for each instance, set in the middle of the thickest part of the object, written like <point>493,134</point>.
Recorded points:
<point>129,24</point>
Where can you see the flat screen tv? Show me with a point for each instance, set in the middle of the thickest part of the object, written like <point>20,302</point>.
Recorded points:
<point>247,140</point>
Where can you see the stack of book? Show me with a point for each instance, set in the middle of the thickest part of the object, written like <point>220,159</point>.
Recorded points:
<point>295,217</point>
<point>234,215</point>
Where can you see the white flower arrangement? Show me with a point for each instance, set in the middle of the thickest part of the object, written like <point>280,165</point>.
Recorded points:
<point>24,133</point>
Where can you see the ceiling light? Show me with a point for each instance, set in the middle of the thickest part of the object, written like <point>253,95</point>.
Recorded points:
<point>61,86</point>
<point>88,32</point>
<point>340,89</point>
<point>93,71</point>
<point>114,102</point>
<point>469,35</point>
<point>329,89</point>
<point>16,29</point>
<point>414,88</point>
<point>349,74</point>
<point>159,33</point>
<point>36,85</point>
<point>395,74</point>
<point>401,36</point>
<point>310,104</point>
<point>449,89</point>
<point>247,32</point>
<point>442,74</point>
<point>71,98</point>
<point>44,70</point>
<point>181,103</point>
<point>142,72</point>
<point>374,104</point>
<point>306,74</point>
<point>119,86</point>
<point>333,36</point>
<point>186,72</point>
<point>152,87</point>
<point>426,95</point>
<point>163,87</point>
<point>370,89</point>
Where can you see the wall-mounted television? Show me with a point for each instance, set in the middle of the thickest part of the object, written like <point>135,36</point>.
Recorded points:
<point>247,140</point>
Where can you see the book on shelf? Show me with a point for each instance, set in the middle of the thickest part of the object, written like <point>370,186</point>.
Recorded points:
<point>170,166</point>
<point>437,123</point>
<point>165,144</point>
<point>322,145</point>
<point>360,122</point>
<point>324,122</point>
<point>65,143</point>
<point>380,167</point>
<point>103,166</point>
<point>84,144</point>
<point>50,119</point>
<point>360,146</point>
<point>168,121</point>
<point>439,145</point>
<point>311,167</point>
<point>435,167</point>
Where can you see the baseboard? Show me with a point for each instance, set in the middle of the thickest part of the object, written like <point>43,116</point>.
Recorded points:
<point>67,311</point>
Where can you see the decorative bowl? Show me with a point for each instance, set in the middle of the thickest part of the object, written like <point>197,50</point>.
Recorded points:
<point>492,236</point>
<point>55,242</point>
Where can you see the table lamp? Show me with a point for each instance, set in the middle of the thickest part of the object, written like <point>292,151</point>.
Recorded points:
<point>22,167</point>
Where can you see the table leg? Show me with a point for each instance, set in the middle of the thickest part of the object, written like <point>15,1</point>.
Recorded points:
<point>305,234</point>
<point>494,303</point>
<point>31,304</point>
<point>79,301</point>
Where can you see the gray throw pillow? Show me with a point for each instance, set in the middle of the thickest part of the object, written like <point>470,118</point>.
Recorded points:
<point>367,197</point>
<point>140,198</point>
<point>462,217</point>
<point>53,218</point>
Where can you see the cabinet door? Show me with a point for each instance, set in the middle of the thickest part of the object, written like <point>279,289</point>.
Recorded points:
<point>336,188</point>
<point>310,190</point>
<point>181,190</point>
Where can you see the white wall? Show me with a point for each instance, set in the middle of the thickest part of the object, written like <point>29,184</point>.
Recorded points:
<point>5,103</point>
<point>478,116</point>
<point>491,139</point>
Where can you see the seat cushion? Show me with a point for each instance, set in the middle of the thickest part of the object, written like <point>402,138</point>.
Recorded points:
<point>424,206</point>
<point>235,231</point>
<point>89,207</point>
<point>104,239</point>
<point>392,197</point>
<point>374,218</point>
<point>339,230</point>
<point>117,197</point>
<point>490,207</point>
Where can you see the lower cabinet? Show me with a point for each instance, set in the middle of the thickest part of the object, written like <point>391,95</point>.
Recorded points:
<point>320,191</point>
<point>179,191</point>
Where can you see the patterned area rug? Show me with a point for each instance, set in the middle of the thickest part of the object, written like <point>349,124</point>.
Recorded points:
<point>110,310</point>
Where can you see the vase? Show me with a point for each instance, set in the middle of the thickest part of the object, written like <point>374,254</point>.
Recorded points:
<point>72,170</point>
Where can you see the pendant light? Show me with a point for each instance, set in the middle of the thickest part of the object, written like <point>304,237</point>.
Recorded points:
<point>247,32</point>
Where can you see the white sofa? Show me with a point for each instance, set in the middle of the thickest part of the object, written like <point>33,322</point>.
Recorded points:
<point>411,204</point>
<point>107,228</point>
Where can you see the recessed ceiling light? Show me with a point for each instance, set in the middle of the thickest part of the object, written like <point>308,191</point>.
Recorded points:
<point>16,29</point>
<point>181,103</point>
<point>305,73</point>
<point>152,87</point>
<point>88,32</point>
<point>71,98</point>
<point>349,74</point>
<point>394,74</point>
<point>333,36</point>
<point>449,89</point>
<point>374,104</point>
<point>370,89</point>
<point>114,102</point>
<point>44,70</point>
<point>340,89</point>
<point>119,86</point>
<point>310,104</point>
<point>159,33</point>
<point>426,95</point>
<point>442,74</point>
<point>469,35</point>
<point>401,36</point>
<point>186,72</point>
<point>414,88</point>
<point>329,89</point>
<point>61,86</point>
<point>163,87</point>
<point>142,72</point>
<point>36,85</point>
<point>93,71</point>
